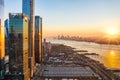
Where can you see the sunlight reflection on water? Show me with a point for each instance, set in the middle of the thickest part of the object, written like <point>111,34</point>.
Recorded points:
<point>109,55</point>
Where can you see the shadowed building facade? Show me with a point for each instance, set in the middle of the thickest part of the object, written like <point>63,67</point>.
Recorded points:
<point>28,9</point>
<point>18,38</point>
<point>38,39</point>
<point>2,51</point>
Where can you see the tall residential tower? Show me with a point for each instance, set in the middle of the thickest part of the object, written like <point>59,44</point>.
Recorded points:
<point>2,51</point>
<point>28,9</point>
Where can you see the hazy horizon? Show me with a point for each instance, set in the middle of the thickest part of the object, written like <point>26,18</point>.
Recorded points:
<point>74,17</point>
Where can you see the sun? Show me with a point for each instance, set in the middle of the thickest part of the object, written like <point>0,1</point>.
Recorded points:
<point>112,31</point>
<point>112,52</point>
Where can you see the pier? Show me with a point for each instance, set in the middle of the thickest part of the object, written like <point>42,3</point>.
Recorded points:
<point>64,65</point>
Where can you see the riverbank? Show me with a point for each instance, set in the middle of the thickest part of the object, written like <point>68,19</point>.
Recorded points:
<point>109,55</point>
<point>62,55</point>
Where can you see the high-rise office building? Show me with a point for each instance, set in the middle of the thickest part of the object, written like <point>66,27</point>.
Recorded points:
<point>2,51</point>
<point>6,24</point>
<point>18,39</point>
<point>28,9</point>
<point>38,39</point>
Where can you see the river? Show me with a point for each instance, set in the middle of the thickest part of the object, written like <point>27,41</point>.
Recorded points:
<point>109,55</point>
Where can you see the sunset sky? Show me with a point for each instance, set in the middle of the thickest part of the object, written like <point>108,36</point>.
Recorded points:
<point>73,17</point>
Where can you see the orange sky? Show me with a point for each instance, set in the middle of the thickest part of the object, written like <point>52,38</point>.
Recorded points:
<point>78,31</point>
<point>73,17</point>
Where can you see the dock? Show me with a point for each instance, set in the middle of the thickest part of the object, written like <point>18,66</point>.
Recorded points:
<point>65,65</point>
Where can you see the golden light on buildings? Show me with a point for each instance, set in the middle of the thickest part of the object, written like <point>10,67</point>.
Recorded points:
<point>26,18</point>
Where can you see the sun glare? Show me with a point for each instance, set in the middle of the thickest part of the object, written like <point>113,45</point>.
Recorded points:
<point>112,31</point>
<point>112,52</point>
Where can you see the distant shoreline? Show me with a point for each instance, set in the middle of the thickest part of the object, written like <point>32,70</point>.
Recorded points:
<point>91,41</point>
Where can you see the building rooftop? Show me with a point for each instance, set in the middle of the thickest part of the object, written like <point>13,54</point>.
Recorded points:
<point>17,15</point>
<point>69,71</point>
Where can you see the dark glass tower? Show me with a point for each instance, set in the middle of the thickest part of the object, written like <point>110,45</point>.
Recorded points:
<point>2,53</point>
<point>38,39</point>
<point>6,24</point>
<point>18,39</point>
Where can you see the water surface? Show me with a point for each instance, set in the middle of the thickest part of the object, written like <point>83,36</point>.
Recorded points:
<point>109,55</point>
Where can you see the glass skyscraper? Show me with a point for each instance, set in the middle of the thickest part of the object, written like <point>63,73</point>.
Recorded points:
<point>6,24</point>
<point>38,39</point>
<point>26,7</point>
<point>2,53</point>
<point>18,39</point>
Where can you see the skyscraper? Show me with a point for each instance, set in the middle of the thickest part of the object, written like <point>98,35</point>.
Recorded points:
<point>28,9</point>
<point>38,39</point>
<point>6,28</point>
<point>2,53</point>
<point>18,55</point>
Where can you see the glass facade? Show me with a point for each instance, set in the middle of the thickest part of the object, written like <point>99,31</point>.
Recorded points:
<point>18,38</point>
<point>26,7</point>
<point>6,24</point>
<point>38,39</point>
<point>2,53</point>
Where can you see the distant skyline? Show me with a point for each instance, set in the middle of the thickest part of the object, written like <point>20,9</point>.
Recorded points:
<point>73,17</point>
